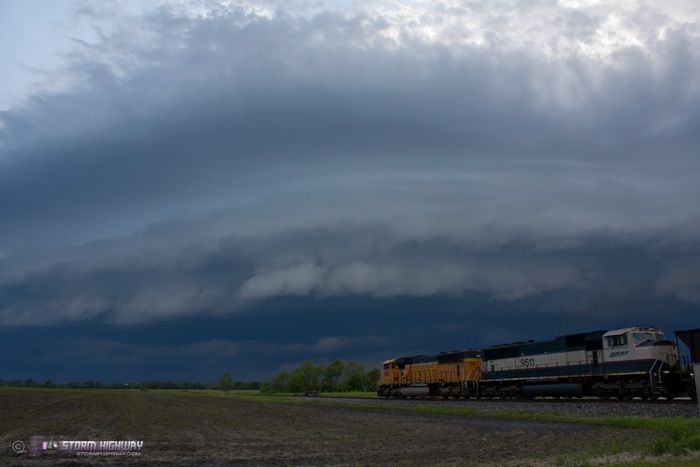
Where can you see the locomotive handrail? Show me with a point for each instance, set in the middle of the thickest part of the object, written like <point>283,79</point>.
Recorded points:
<point>651,372</point>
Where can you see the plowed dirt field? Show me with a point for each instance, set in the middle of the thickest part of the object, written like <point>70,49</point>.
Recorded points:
<point>181,429</point>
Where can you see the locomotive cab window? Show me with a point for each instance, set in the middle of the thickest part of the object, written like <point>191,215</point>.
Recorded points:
<point>617,341</point>
<point>639,337</point>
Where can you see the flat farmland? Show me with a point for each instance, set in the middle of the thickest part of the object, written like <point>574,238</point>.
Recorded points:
<point>180,428</point>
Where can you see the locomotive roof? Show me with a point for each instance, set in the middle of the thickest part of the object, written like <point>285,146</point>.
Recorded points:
<point>617,332</point>
<point>442,357</point>
<point>580,338</point>
<point>587,340</point>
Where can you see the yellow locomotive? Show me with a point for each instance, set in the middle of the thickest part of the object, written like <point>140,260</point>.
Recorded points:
<point>448,374</point>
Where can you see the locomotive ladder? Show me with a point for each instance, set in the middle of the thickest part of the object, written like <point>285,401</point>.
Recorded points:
<point>655,377</point>
<point>474,382</point>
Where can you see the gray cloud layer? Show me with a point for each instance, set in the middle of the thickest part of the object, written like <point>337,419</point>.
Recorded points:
<point>201,163</point>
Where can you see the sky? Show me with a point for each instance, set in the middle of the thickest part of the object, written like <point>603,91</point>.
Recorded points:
<point>193,187</point>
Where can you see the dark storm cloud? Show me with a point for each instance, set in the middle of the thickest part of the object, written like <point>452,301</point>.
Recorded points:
<point>532,161</point>
<point>172,270</point>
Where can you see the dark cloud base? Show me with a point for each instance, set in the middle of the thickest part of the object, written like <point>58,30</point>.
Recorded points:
<point>284,332</point>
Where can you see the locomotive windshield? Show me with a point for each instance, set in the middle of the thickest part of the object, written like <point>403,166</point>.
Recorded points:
<point>639,337</point>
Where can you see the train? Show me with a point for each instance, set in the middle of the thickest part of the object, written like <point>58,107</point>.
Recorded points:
<point>635,362</point>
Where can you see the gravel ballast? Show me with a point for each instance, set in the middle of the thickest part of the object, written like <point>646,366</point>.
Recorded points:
<point>592,407</point>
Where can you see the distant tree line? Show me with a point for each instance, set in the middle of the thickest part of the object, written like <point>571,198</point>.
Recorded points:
<point>335,377</point>
<point>30,383</point>
<point>338,376</point>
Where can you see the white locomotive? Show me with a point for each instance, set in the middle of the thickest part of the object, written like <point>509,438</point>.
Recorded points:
<point>623,363</point>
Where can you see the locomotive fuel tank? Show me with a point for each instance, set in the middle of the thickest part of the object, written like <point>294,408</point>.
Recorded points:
<point>416,390</point>
<point>553,390</point>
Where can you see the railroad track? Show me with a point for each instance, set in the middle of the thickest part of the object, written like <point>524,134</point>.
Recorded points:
<point>584,406</point>
<point>548,400</point>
